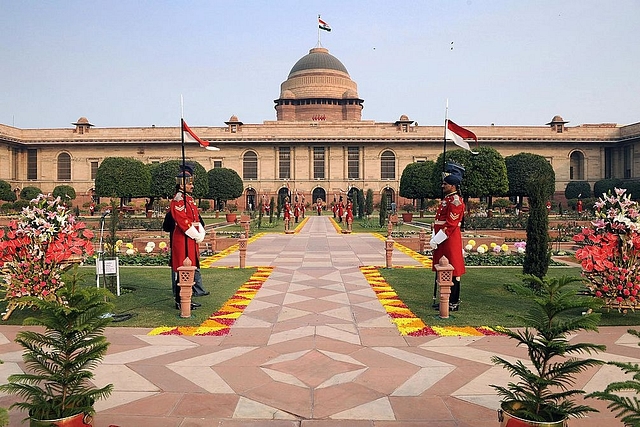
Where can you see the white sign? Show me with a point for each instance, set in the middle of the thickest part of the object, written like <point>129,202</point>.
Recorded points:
<point>110,266</point>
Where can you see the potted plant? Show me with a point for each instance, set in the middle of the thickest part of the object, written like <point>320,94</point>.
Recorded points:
<point>231,212</point>
<point>542,394</point>
<point>627,407</point>
<point>56,388</point>
<point>408,209</point>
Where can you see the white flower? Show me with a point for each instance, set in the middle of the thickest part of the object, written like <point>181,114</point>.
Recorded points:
<point>148,249</point>
<point>130,251</point>
<point>481,249</point>
<point>468,247</point>
<point>152,244</point>
<point>521,250</point>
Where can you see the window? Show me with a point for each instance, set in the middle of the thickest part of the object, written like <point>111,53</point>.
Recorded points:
<point>353,162</point>
<point>250,165</point>
<point>32,164</point>
<point>388,165</point>
<point>576,166</point>
<point>64,167</point>
<point>217,164</point>
<point>628,160</point>
<point>318,162</point>
<point>608,162</point>
<point>94,170</point>
<point>284,163</point>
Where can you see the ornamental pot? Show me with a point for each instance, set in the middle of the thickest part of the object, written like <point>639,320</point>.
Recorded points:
<point>78,420</point>
<point>407,217</point>
<point>231,217</point>
<point>507,419</point>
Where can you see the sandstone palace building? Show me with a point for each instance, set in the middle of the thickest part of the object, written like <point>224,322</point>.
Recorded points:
<point>318,144</point>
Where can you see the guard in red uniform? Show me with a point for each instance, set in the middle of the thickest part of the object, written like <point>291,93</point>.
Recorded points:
<point>319,206</point>
<point>287,210</point>
<point>447,238</point>
<point>340,209</point>
<point>188,231</point>
<point>349,211</point>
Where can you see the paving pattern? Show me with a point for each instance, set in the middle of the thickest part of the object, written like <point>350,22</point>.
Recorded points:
<point>314,347</point>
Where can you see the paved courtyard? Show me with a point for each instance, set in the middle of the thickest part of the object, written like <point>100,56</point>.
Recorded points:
<point>314,348</point>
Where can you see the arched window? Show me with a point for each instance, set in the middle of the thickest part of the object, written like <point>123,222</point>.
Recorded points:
<point>576,166</point>
<point>64,167</point>
<point>388,165</point>
<point>250,165</point>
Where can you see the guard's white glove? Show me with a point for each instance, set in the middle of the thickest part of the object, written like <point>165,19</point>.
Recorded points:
<point>192,232</point>
<point>438,238</point>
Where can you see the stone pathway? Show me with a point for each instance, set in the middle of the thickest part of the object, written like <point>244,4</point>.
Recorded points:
<point>314,348</point>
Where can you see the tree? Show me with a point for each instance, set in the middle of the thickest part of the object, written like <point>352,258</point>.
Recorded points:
<point>383,210</point>
<point>577,189</point>
<point>163,179</point>
<point>525,166</point>
<point>485,174</point>
<point>122,177</point>
<point>65,192</point>
<point>416,182</point>
<point>361,202</point>
<point>224,184</point>
<point>603,186</point>
<point>355,206</point>
<point>30,193</point>
<point>537,257</point>
<point>6,193</point>
<point>368,202</point>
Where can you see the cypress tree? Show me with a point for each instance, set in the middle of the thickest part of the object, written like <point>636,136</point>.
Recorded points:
<point>383,210</point>
<point>354,207</point>
<point>537,257</point>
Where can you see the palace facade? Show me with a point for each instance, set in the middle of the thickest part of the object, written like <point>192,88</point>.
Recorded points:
<point>318,146</point>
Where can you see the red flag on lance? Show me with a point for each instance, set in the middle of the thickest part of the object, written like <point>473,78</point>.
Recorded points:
<point>458,134</point>
<point>190,136</point>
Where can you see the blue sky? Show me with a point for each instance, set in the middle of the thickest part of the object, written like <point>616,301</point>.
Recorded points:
<point>127,63</point>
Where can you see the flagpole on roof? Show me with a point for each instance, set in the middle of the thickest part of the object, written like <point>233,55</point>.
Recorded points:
<point>319,44</point>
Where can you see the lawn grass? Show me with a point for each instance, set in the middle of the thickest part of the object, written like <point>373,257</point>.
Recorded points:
<point>485,301</point>
<point>146,295</point>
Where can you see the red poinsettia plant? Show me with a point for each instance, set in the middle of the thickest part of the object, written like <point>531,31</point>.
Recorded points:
<point>36,248</point>
<point>609,251</point>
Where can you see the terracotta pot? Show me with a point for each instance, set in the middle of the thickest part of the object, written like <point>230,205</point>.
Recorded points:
<point>78,420</point>
<point>231,217</point>
<point>506,419</point>
<point>407,217</point>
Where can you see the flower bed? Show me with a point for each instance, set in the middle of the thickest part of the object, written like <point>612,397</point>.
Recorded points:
<point>609,251</point>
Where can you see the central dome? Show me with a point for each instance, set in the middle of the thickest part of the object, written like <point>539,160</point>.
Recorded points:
<point>318,88</point>
<point>318,58</point>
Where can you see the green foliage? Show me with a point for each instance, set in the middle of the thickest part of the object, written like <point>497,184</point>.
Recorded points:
<point>6,193</point>
<point>627,407</point>
<point>163,179</point>
<point>29,193</point>
<point>272,204</point>
<point>368,202</point>
<point>552,315</point>
<point>122,177</point>
<point>224,184</point>
<point>525,167</point>
<point>416,183</point>
<point>577,189</point>
<point>361,204</point>
<point>485,174</point>
<point>538,256</point>
<point>65,192</point>
<point>383,211</point>
<point>355,206</point>
<point>604,186</point>
<point>60,359</point>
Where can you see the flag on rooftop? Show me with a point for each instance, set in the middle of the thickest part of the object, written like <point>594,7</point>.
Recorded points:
<point>323,25</point>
